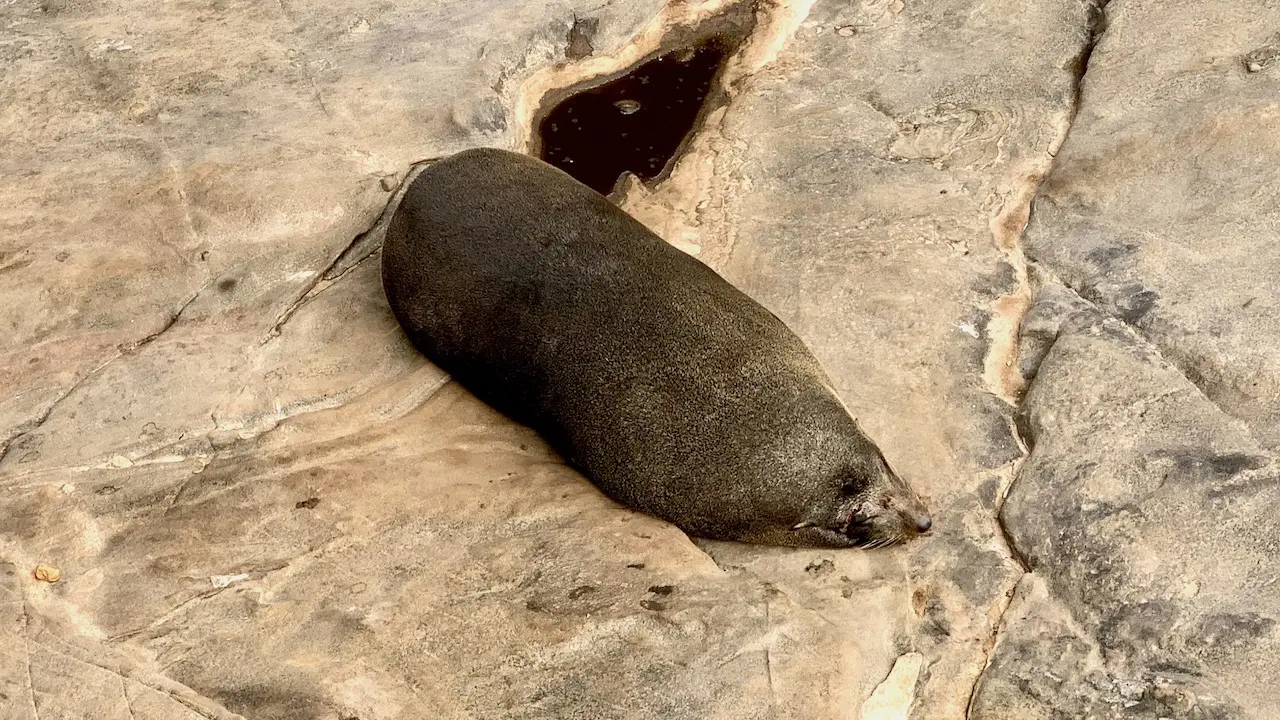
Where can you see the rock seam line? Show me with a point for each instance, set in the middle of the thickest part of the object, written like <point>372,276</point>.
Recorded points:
<point>26,645</point>
<point>1096,27</point>
<point>990,650</point>
<point>1159,350</point>
<point>128,703</point>
<point>123,350</point>
<point>342,262</point>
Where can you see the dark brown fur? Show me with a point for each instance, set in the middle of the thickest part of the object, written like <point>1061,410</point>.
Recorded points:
<point>674,392</point>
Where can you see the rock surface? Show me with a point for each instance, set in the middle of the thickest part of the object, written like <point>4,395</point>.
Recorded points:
<point>1163,206</point>
<point>261,503</point>
<point>1146,509</point>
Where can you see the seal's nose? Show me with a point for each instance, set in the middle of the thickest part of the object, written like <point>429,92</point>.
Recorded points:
<point>923,523</point>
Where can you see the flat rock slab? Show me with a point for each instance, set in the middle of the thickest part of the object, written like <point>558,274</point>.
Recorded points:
<point>1146,509</point>
<point>262,503</point>
<point>1146,514</point>
<point>1164,207</point>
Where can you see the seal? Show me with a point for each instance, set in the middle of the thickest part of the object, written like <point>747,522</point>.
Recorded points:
<point>671,390</point>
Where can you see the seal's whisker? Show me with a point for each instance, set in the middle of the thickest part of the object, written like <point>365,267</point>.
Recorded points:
<point>885,541</point>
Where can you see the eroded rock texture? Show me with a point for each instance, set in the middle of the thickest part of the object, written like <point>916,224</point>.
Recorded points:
<point>1146,508</point>
<point>263,504</point>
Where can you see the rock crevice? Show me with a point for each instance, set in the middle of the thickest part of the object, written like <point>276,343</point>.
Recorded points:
<point>1018,234</point>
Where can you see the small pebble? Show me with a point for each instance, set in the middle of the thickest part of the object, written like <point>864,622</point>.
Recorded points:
<point>48,573</point>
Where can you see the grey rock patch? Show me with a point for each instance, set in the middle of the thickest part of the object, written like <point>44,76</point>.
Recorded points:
<point>1143,511</point>
<point>1161,207</point>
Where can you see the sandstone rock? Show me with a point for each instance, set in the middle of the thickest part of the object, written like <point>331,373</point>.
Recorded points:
<point>1145,509</point>
<point>264,504</point>
<point>1145,515</point>
<point>1162,206</point>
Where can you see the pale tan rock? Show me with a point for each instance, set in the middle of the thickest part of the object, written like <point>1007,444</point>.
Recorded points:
<point>265,504</point>
<point>891,700</point>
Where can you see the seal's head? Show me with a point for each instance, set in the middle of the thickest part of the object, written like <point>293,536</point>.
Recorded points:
<point>867,504</point>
